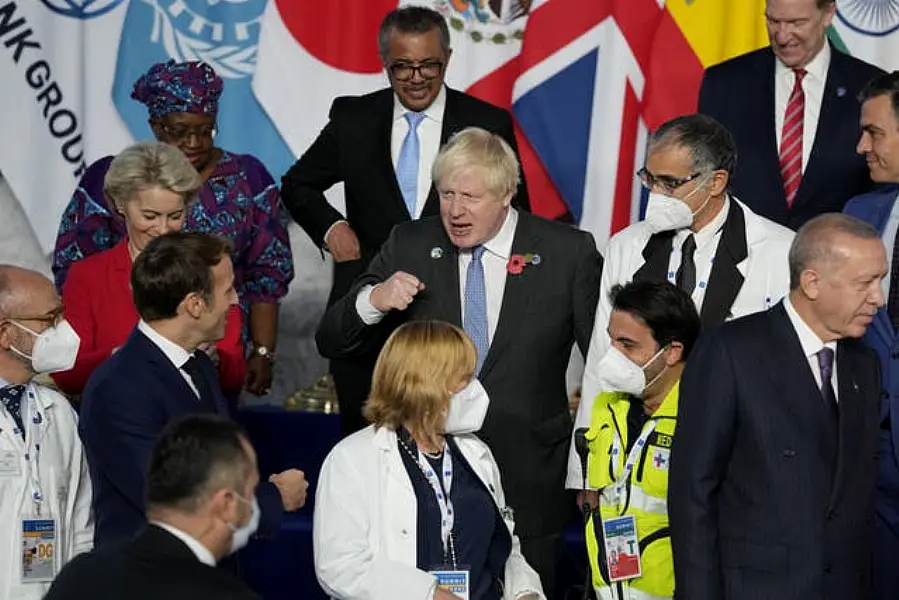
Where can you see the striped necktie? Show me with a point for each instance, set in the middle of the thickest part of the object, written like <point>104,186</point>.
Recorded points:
<point>791,140</point>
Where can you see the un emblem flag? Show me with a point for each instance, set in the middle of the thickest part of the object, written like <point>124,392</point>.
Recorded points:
<point>81,9</point>
<point>223,34</point>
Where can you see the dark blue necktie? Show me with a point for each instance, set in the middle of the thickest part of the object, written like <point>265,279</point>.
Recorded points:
<point>11,396</point>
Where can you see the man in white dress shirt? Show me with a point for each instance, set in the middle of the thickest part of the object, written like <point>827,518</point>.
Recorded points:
<point>523,288</point>
<point>200,508</point>
<point>792,109</point>
<point>381,147</point>
<point>697,236</point>
<point>43,469</point>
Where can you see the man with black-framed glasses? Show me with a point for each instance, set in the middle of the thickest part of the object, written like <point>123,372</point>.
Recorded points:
<point>729,260</point>
<point>381,147</point>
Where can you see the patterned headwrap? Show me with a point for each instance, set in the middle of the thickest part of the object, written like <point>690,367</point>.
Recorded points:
<point>179,87</point>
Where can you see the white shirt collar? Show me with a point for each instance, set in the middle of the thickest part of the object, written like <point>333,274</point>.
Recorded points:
<point>808,339</point>
<point>200,551</point>
<point>173,351</point>
<point>501,244</point>
<point>817,68</point>
<point>713,227</point>
<point>434,112</point>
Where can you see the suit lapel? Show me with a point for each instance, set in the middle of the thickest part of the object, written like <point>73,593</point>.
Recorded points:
<point>725,279</point>
<point>516,295</point>
<point>829,121</point>
<point>792,378</point>
<point>852,416</point>
<point>656,257</point>
<point>383,139</point>
<point>770,153</point>
<point>167,371</point>
<point>447,267</point>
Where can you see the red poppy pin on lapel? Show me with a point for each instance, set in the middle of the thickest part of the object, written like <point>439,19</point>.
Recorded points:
<point>517,262</point>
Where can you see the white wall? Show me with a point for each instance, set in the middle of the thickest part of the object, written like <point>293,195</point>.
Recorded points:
<point>298,362</point>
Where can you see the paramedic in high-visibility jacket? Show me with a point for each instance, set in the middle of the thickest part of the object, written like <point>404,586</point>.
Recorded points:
<point>653,327</point>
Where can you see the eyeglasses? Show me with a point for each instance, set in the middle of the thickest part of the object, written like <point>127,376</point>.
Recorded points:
<point>405,71</point>
<point>666,183</point>
<point>178,133</point>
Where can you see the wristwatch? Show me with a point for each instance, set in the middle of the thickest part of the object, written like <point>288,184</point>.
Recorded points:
<point>265,353</point>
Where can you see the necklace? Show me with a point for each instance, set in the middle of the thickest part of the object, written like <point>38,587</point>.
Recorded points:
<point>433,455</point>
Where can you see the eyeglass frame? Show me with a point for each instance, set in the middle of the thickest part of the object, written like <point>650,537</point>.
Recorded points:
<point>189,132</point>
<point>649,181</point>
<point>416,69</point>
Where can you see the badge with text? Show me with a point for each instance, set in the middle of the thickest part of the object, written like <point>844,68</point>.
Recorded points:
<point>454,582</point>
<point>38,550</point>
<point>622,548</point>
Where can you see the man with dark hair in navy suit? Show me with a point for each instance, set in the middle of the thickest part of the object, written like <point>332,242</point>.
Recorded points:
<point>879,144</point>
<point>183,286</point>
<point>792,109</point>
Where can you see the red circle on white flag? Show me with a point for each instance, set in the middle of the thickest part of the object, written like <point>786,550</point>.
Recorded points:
<point>342,34</point>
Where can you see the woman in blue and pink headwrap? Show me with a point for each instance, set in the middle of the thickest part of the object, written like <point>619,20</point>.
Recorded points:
<point>239,200</point>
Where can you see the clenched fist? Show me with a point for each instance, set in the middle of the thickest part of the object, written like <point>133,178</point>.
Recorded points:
<point>396,293</point>
<point>292,485</point>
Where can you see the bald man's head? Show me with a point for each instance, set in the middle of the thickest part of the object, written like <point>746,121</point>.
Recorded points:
<point>24,292</point>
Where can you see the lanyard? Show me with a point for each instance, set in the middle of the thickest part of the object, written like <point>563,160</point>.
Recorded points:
<point>621,482</point>
<point>34,434</point>
<point>447,516</point>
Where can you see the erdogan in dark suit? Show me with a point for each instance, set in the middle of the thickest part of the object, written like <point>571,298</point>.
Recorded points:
<point>200,487</point>
<point>183,287</point>
<point>793,110</point>
<point>381,147</point>
<point>524,289</point>
<point>774,465</point>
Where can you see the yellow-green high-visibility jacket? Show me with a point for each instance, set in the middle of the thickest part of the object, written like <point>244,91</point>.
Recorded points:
<point>644,494</point>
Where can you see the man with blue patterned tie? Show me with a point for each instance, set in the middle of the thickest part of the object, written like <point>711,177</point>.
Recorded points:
<point>381,146</point>
<point>523,288</point>
<point>43,470</point>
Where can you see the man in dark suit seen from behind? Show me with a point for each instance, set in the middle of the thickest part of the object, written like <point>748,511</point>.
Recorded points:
<point>200,508</point>
<point>523,288</point>
<point>879,143</point>
<point>774,463</point>
<point>381,147</point>
<point>792,109</point>
<point>183,288</point>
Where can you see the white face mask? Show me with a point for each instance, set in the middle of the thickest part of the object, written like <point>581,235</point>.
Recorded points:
<point>54,350</point>
<point>467,409</point>
<point>667,213</point>
<point>240,536</point>
<point>618,373</point>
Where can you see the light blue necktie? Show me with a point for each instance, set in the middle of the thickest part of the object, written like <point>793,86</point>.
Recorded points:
<point>407,165</point>
<point>475,321</point>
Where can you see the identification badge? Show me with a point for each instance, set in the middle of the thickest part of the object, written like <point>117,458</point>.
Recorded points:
<point>454,582</point>
<point>38,550</point>
<point>622,548</point>
<point>9,463</point>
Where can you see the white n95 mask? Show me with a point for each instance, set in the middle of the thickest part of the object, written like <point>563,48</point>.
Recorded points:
<point>467,409</point>
<point>618,373</point>
<point>54,350</point>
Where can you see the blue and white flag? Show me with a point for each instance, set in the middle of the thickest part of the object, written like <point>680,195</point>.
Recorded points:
<point>225,35</point>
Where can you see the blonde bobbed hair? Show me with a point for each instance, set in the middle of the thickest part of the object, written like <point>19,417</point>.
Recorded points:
<point>415,374</point>
<point>147,165</point>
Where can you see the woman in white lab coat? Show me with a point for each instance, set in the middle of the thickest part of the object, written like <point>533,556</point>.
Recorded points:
<point>384,527</point>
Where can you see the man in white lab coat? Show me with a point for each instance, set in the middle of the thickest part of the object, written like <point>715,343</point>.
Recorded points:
<point>731,261</point>
<point>45,491</point>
